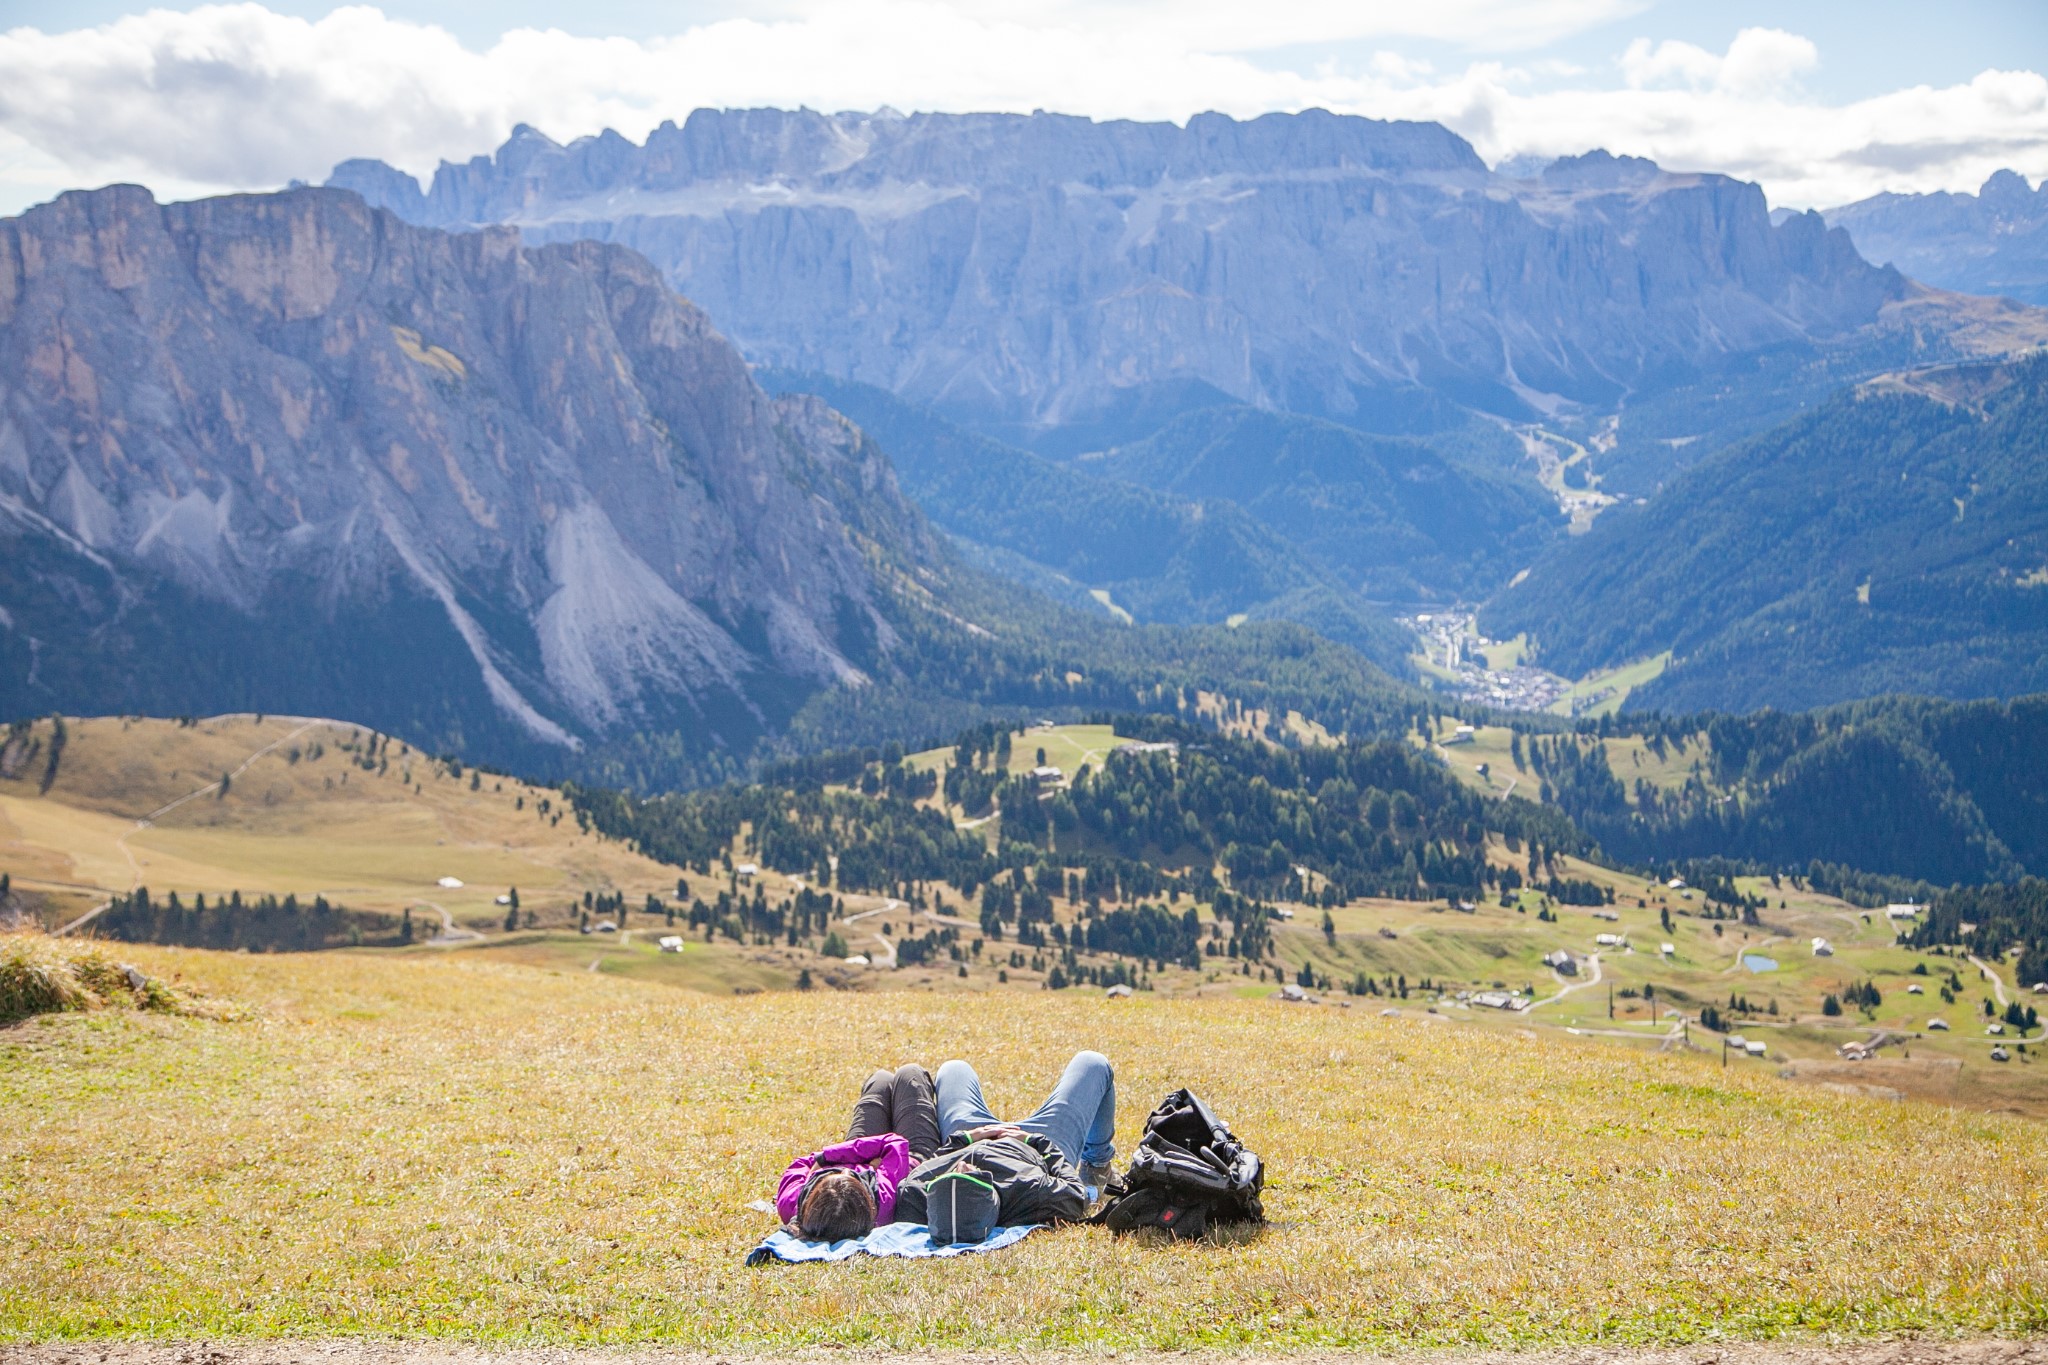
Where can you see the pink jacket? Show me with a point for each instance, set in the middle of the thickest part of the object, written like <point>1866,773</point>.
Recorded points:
<point>888,1153</point>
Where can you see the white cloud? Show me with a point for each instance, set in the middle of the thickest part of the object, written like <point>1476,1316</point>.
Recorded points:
<point>235,96</point>
<point>1759,61</point>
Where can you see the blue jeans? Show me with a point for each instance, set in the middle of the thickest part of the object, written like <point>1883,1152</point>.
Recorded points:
<point>1079,1117</point>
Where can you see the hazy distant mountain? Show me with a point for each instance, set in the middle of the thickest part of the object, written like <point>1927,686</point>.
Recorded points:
<point>1074,284</point>
<point>1072,533</point>
<point>1894,540</point>
<point>1396,517</point>
<point>1992,242</point>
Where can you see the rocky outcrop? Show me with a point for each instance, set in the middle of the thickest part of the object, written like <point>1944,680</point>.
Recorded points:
<point>293,453</point>
<point>1992,242</point>
<point>1048,272</point>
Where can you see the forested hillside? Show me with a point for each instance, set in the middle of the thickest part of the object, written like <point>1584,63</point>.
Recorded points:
<point>1893,541</point>
<point>1408,519</point>
<point>1158,557</point>
<point>1939,792</point>
<point>1375,819</point>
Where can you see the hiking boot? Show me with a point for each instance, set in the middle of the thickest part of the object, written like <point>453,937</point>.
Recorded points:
<point>1097,1177</point>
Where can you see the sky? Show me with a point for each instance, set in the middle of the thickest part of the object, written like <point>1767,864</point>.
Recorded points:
<point>1821,101</point>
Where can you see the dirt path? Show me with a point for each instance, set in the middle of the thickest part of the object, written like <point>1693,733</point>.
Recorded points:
<point>1931,1352</point>
<point>451,932</point>
<point>1997,982</point>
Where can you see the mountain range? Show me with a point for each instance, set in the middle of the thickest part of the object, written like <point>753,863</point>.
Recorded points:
<point>1072,285</point>
<point>289,454</point>
<point>1992,242</point>
<point>1158,398</point>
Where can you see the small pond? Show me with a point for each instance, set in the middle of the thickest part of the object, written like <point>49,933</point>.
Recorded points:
<point>1757,962</point>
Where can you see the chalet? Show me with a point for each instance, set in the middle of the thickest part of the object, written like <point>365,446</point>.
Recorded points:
<point>1464,734</point>
<point>1499,1000</point>
<point>1561,962</point>
<point>1666,949</point>
<point>1937,1026</point>
<point>1611,940</point>
<point>1047,776</point>
<point>670,943</point>
<point>1906,911</point>
<point>1755,1047</point>
<point>450,883</point>
<point>746,872</point>
<point>1823,948</point>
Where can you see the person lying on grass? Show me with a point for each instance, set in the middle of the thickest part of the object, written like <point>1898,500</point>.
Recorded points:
<point>990,1173</point>
<point>849,1188</point>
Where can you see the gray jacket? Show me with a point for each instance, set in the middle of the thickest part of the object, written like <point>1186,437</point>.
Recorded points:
<point>1034,1183</point>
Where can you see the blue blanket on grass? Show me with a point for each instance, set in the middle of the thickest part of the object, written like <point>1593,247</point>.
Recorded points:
<point>891,1239</point>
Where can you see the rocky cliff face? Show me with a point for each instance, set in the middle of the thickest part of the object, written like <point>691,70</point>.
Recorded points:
<point>292,453</point>
<point>1992,242</point>
<point>1046,271</point>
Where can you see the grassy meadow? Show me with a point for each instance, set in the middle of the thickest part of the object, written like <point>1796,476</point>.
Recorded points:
<point>438,1146</point>
<point>302,817</point>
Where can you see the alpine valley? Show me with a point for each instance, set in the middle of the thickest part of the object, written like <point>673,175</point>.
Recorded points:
<point>1058,416</point>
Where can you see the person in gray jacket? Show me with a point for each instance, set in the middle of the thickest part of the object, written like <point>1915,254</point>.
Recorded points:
<point>1040,1168</point>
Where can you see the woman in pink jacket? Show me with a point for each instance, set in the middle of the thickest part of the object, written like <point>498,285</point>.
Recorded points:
<point>849,1189</point>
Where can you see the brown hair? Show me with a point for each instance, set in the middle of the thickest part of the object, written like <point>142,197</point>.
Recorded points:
<point>838,1205</point>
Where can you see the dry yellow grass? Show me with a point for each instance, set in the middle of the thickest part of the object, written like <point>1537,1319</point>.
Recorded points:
<point>300,819</point>
<point>44,975</point>
<point>443,1147</point>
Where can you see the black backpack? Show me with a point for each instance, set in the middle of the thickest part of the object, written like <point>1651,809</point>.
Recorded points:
<point>1189,1171</point>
